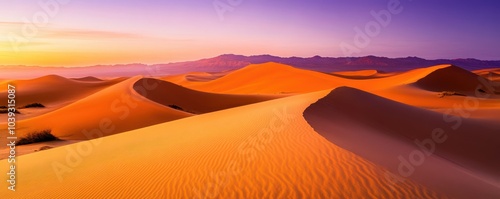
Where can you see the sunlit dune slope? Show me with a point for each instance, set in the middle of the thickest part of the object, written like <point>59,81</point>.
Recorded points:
<point>264,150</point>
<point>88,79</point>
<point>491,74</point>
<point>52,89</point>
<point>173,95</point>
<point>134,103</point>
<point>275,78</point>
<point>381,130</point>
<point>115,109</point>
<point>194,77</point>
<point>362,74</point>
<point>270,78</point>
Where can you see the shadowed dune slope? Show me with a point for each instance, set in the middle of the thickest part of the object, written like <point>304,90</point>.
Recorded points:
<point>263,150</point>
<point>134,103</point>
<point>197,102</point>
<point>453,78</point>
<point>113,110</point>
<point>383,131</point>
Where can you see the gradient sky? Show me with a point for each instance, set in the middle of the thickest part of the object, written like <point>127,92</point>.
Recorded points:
<point>88,32</point>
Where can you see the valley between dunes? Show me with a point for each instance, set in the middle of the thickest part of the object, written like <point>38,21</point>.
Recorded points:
<point>264,131</point>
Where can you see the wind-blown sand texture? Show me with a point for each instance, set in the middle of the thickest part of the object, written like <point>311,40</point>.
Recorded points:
<point>264,131</point>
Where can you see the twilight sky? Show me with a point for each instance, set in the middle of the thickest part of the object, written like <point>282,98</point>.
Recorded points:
<point>88,32</point>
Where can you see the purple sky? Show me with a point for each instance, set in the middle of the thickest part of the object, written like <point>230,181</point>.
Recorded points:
<point>85,32</point>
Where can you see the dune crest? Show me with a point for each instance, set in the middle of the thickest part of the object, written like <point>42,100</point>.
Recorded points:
<point>362,74</point>
<point>269,78</point>
<point>263,150</point>
<point>382,131</point>
<point>453,78</point>
<point>88,79</point>
<point>196,102</point>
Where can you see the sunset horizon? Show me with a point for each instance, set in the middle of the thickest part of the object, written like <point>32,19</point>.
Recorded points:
<point>293,99</point>
<point>83,33</point>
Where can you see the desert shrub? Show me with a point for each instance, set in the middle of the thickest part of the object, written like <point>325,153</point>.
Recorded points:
<point>3,107</point>
<point>34,105</point>
<point>5,111</point>
<point>44,148</point>
<point>37,136</point>
<point>449,93</point>
<point>175,107</point>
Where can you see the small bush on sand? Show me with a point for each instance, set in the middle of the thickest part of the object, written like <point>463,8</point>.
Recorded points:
<point>34,105</point>
<point>44,148</point>
<point>35,137</point>
<point>449,93</point>
<point>5,111</point>
<point>175,107</point>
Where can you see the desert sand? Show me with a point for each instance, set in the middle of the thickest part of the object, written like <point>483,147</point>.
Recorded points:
<point>264,131</point>
<point>227,154</point>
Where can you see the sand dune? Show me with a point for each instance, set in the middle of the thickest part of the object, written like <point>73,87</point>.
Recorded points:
<point>106,112</point>
<point>170,94</point>
<point>463,165</point>
<point>362,74</point>
<point>204,77</point>
<point>233,138</point>
<point>269,78</point>
<point>194,77</point>
<point>491,74</point>
<point>134,103</point>
<point>401,87</point>
<point>88,79</point>
<point>452,78</point>
<point>52,91</point>
<point>264,150</point>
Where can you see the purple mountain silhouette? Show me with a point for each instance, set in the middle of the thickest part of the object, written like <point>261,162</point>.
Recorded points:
<point>231,62</point>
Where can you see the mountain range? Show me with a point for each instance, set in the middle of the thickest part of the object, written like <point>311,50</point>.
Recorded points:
<point>228,62</point>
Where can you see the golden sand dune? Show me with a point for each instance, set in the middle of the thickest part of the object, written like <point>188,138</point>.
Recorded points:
<point>173,95</point>
<point>278,78</point>
<point>491,74</point>
<point>452,78</point>
<point>414,88</point>
<point>362,74</point>
<point>112,110</point>
<point>88,79</point>
<point>53,89</point>
<point>274,78</point>
<point>194,77</point>
<point>205,77</point>
<point>456,155</point>
<point>134,103</point>
<point>269,78</point>
<point>264,150</point>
